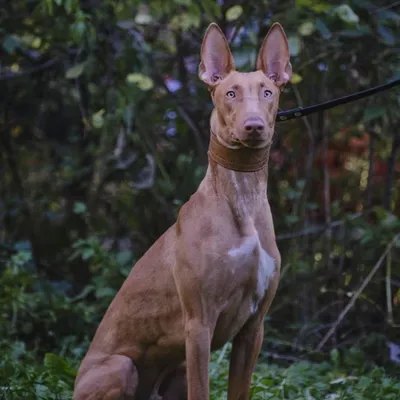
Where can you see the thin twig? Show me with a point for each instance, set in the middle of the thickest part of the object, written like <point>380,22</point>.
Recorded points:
<point>327,191</point>
<point>201,150</point>
<point>389,288</point>
<point>158,79</point>
<point>314,59</point>
<point>12,163</point>
<point>277,356</point>
<point>371,168</point>
<point>357,293</point>
<point>310,134</point>
<point>239,24</point>
<point>318,229</point>
<point>220,358</point>
<point>12,75</point>
<point>391,166</point>
<point>376,10</point>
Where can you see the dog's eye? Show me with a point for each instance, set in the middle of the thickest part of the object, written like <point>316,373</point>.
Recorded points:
<point>267,93</point>
<point>231,94</point>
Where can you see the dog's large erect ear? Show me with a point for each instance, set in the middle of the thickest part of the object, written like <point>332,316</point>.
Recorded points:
<point>274,57</point>
<point>216,58</point>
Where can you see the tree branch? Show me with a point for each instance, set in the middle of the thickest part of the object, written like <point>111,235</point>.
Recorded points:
<point>357,293</point>
<point>10,75</point>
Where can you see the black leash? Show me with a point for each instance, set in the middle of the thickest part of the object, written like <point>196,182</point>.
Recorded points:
<point>302,112</point>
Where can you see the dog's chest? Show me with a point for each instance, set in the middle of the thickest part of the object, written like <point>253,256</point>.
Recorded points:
<point>250,261</point>
<point>250,269</point>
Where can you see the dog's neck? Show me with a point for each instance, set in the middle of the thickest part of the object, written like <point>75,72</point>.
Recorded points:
<point>245,192</point>
<point>243,159</point>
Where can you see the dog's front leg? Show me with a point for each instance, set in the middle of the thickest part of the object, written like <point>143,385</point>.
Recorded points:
<point>246,347</point>
<point>245,350</point>
<point>197,303</point>
<point>197,358</point>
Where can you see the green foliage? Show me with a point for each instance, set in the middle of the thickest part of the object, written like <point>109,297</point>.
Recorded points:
<point>104,128</point>
<point>21,377</point>
<point>109,269</point>
<point>306,380</point>
<point>53,379</point>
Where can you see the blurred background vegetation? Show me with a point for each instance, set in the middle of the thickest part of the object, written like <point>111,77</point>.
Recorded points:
<point>104,135</point>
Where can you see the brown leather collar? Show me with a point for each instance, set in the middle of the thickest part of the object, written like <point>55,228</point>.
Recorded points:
<point>243,160</point>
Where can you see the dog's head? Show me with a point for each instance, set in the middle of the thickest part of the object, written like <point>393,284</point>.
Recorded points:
<point>246,104</point>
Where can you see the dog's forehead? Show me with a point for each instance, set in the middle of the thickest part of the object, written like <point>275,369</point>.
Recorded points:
<point>248,79</point>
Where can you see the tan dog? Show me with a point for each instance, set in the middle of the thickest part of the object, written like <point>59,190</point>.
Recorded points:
<point>212,276</point>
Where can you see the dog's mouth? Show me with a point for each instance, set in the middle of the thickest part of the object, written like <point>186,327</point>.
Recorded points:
<point>263,140</point>
<point>254,143</point>
<point>249,142</point>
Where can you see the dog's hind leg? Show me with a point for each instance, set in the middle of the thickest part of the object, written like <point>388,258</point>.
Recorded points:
<point>175,385</point>
<point>113,377</point>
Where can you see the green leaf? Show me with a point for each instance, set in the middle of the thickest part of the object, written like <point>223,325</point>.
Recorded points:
<point>125,270</point>
<point>49,6</point>
<point>294,45</point>
<point>364,382</point>
<point>78,29</point>
<point>69,6</point>
<point>335,357</point>
<point>79,207</point>
<point>233,13</point>
<point>390,221</point>
<point>124,257</point>
<point>296,78</point>
<point>306,28</point>
<point>185,21</point>
<point>291,219</point>
<point>105,292</point>
<point>338,380</point>
<point>98,119</point>
<point>386,34</point>
<point>367,237</point>
<point>308,395</point>
<point>84,293</point>
<point>314,5</point>
<point>18,349</point>
<point>75,71</point>
<point>373,112</point>
<point>300,183</point>
<point>312,206</point>
<point>57,364</point>
<point>346,14</point>
<point>323,29</point>
<point>10,43</point>
<point>142,81</point>
<point>388,15</point>
<point>87,253</point>
<point>351,33</point>
<point>211,8</point>
<point>126,24</point>
<point>143,16</point>
<point>41,391</point>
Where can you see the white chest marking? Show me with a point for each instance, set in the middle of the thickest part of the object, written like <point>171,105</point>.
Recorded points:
<point>266,268</point>
<point>251,246</point>
<point>246,249</point>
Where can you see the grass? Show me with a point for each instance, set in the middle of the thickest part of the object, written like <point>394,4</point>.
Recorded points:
<point>22,377</point>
